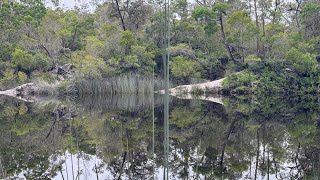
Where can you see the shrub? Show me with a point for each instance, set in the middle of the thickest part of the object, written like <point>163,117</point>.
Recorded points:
<point>28,62</point>
<point>183,68</point>
<point>22,59</point>
<point>304,63</point>
<point>252,59</point>
<point>22,77</point>
<point>243,78</point>
<point>8,78</point>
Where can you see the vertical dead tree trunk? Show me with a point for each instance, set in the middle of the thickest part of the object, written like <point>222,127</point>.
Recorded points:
<point>121,16</point>
<point>258,153</point>
<point>225,141</point>
<point>226,44</point>
<point>277,3</point>
<point>263,54</point>
<point>257,26</point>
<point>296,14</point>
<point>250,11</point>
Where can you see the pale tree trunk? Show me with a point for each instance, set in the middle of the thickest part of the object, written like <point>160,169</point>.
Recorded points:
<point>250,11</point>
<point>277,3</point>
<point>257,26</point>
<point>263,28</point>
<point>296,14</point>
<point>257,156</point>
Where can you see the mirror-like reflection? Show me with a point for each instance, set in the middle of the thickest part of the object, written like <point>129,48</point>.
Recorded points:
<point>107,138</point>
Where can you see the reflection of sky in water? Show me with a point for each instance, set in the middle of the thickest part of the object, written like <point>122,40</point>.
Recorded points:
<point>86,164</point>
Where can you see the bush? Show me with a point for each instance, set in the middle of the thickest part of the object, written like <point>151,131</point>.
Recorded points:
<point>183,69</point>
<point>8,78</point>
<point>22,77</point>
<point>243,78</point>
<point>22,59</point>
<point>304,63</point>
<point>88,66</point>
<point>27,62</point>
<point>252,59</point>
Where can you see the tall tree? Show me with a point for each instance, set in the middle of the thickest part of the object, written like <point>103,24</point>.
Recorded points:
<point>221,9</point>
<point>257,26</point>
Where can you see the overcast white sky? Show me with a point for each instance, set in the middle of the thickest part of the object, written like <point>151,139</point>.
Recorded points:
<point>69,4</point>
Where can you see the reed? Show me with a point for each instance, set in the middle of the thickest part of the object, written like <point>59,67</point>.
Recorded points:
<point>128,84</point>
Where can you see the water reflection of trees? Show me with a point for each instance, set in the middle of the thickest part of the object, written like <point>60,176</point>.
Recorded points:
<point>248,138</point>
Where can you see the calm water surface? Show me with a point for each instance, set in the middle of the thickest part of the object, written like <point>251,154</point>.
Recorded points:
<point>124,138</point>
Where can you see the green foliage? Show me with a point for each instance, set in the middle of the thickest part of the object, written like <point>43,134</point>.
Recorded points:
<point>182,68</point>
<point>280,44</point>
<point>298,75</point>
<point>182,49</point>
<point>221,7</point>
<point>13,15</point>
<point>127,38</point>
<point>8,78</point>
<point>74,29</point>
<point>271,82</point>
<point>208,16</point>
<point>310,19</point>
<point>241,82</point>
<point>305,63</point>
<point>33,36</point>
<point>145,59</point>
<point>251,59</point>
<point>22,77</point>
<point>203,40</point>
<point>89,66</point>
<point>22,59</point>
<point>239,18</point>
<point>27,62</point>
<point>94,46</point>
<point>202,13</point>
<point>310,8</point>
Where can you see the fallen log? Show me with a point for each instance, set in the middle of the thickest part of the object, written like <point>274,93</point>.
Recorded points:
<point>23,92</point>
<point>185,91</point>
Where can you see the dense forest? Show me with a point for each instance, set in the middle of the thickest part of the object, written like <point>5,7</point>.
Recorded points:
<point>260,45</point>
<point>118,51</point>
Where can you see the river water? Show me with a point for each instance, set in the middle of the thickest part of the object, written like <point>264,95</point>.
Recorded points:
<point>124,137</point>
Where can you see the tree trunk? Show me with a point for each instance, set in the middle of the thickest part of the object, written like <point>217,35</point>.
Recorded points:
<point>263,54</point>
<point>257,26</point>
<point>225,141</point>
<point>257,158</point>
<point>225,39</point>
<point>297,16</point>
<point>120,15</point>
<point>275,10</point>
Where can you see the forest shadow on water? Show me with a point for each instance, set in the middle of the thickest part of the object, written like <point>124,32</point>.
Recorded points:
<point>122,137</point>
